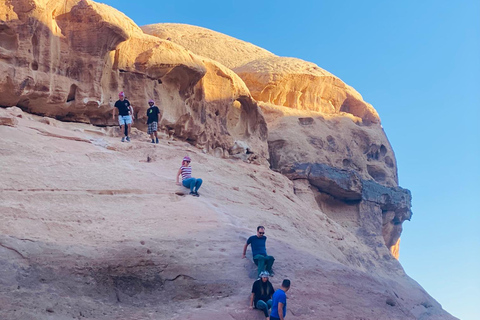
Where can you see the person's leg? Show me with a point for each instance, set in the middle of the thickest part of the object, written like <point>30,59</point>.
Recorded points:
<point>156,136</point>
<point>261,263</point>
<point>269,303</point>
<point>198,183</point>
<point>192,184</point>
<point>187,182</point>
<point>261,305</point>
<point>269,260</point>
<point>129,129</point>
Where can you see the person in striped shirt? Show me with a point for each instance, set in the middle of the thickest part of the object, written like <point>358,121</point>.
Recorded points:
<point>187,180</point>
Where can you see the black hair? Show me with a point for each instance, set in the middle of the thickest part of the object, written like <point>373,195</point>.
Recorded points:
<point>260,227</point>
<point>286,283</point>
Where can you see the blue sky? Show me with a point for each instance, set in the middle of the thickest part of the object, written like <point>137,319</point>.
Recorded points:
<point>418,64</point>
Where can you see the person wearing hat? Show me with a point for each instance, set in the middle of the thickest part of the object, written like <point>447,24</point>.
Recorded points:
<point>152,121</point>
<point>124,115</point>
<point>262,292</point>
<point>187,180</point>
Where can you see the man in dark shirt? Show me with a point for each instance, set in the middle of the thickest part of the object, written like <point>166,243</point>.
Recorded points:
<point>124,115</point>
<point>152,122</point>
<point>262,292</point>
<point>259,251</point>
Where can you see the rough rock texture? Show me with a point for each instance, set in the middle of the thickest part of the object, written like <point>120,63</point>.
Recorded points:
<point>313,117</point>
<point>94,228</point>
<point>69,59</point>
<point>302,85</point>
<point>217,46</point>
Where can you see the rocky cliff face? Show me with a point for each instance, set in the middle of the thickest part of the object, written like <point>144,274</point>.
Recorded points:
<point>320,129</point>
<point>70,59</point>
<point>136,248</point>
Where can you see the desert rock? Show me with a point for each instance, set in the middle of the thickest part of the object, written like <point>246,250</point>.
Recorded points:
<point>95,228</point>
<point>69,60</point>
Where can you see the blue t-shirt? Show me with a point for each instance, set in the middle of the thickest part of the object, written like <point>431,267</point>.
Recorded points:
<point>279,296</point>
<point>258,245</point>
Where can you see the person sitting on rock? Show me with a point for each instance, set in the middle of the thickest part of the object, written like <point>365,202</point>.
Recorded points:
<point>187,180</point>
<point>259,251</point>
<point>152,122</point>
<point>124,116</point>
<point>262,292</point>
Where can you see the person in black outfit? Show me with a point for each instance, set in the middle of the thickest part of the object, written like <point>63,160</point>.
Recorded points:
<point>152,122</point>
<point>124,115</point>
<point>262,292</point>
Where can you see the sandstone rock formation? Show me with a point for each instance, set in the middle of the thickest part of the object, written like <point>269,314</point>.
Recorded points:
<point>101,224</point>
<point>69,60</point>
<point>314,119</point>
<point>94,228</point>
<point>217,46</point>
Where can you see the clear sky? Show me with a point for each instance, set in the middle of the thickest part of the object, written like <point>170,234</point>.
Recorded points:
<point>418,63</point>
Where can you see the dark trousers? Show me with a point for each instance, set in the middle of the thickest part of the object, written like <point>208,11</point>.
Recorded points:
<point>263,263</point>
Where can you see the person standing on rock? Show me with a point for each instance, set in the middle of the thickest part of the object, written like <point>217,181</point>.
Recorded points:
<point>130,109</point>
<point>124,116</point>
<point>152,121</point>
<point>259,251</point>
<point>279,302</point>
<point>262,292</point>
<point>187,180</point>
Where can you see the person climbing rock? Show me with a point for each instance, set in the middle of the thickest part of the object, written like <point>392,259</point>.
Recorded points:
<point>187,180</point>
<point>259,251</point>
<point>152,121</point>
<point>124,115</point>
<point>262,292</point>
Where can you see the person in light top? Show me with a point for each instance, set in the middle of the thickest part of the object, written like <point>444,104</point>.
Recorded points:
<point>187,180</point>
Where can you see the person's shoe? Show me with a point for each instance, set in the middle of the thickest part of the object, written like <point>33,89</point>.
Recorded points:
<point>128,139</point>
<point>156,141</point>
<point>271,273</point>
<point>123,139</point>
<point>196,194</point>
<point>153,141</point>
<point>192,193</point>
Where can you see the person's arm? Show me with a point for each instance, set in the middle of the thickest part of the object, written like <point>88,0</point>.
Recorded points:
<point>178,174</point>
<point>244,250</point>
<point>251,300</point>
<point>280,310</point>
<point>130,108</point>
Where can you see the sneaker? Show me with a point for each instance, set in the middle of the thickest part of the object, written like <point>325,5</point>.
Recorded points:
<point>156,141</point>
<point>123,139</point>
<point>271,273</point>
<point>196,194</point>
<point>128,139</point>
<point>153,141</point>
<point>192,193</point>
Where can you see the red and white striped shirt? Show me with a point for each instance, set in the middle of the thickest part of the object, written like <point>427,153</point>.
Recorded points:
<point>186,172</point>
